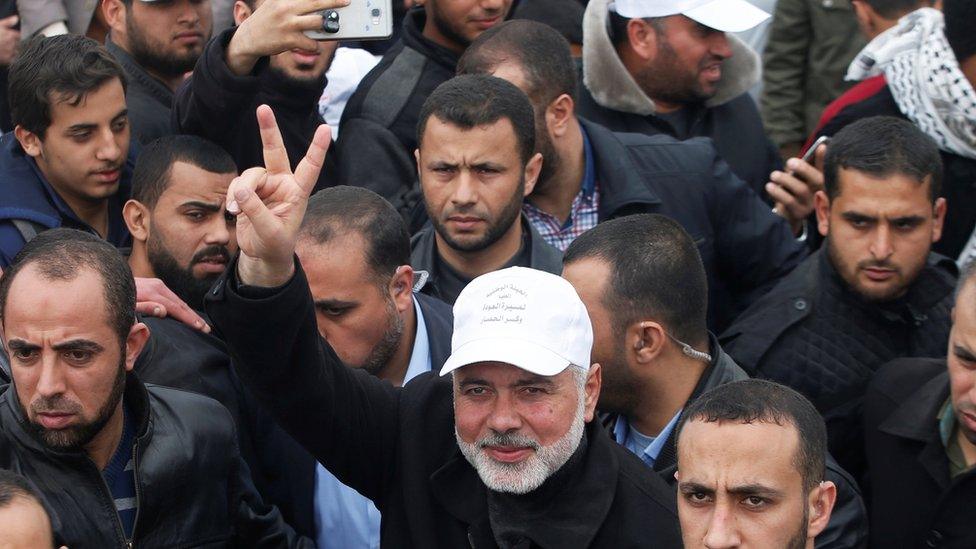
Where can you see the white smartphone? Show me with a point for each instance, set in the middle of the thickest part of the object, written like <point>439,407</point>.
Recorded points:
<point>360,20</point>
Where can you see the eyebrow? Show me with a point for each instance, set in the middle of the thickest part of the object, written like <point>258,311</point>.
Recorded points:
<point>202,205</point>
<point>334,303</point>
<point>754,490</point>
<point>694,488</point>
<point>963,353</point>
<point>71,345</point>
<point>91,126</point>
<point>78,345</point>
<point>536,381</point>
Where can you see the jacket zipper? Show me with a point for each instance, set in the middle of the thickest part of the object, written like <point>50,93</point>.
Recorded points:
<point>135,480</point>
<point>118,521</point>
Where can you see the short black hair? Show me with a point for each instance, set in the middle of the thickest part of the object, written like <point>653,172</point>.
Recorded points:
<point>56,69</point>
<point>61,254</point>
<point>882,146</point>
<point>338,210</point>
<point>960,27</point>
<point>894,9</point>
<point>470,100</point>
<point>541,52</point>
<point>151,176</point>
<point>656,272</point>
<point>565,16</point>
<point>762,401</point>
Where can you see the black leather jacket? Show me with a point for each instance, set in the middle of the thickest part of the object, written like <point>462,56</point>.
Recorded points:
<point>192,488</point>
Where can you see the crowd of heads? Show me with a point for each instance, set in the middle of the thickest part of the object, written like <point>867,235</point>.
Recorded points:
<point>619,338</point>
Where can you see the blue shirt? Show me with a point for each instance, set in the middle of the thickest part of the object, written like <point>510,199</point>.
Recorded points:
<point>344,519</point>
<point>643,446</point>
<point>119,475</point>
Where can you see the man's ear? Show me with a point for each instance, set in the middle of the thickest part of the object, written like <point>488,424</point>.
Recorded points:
<point>645,341</point>
<point>865,17</point>
<point>138,336</point>
<point>115,14</point>
<point>241,12</point>
<point>401,287</point>
<point>137,219</point>
<point>939,213</point>
<point>29,141</point>
<point>821,502</point>
<point>643,38</point>
<point>559,113</point>
<point>821,204</point>
<point>532,171</point>
<point>594,380</point>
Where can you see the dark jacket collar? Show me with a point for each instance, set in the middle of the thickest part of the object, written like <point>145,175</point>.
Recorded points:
<point>138,76</point>
<point>136,400</point>
<point>439,320</point>
<point>573,519</point>
<point>413,38</point>
<point>423,255</point>
<point>720,371</point>
<point>619,179</point>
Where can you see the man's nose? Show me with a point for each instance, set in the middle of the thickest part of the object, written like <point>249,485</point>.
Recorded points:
<point>722,532</point>
<point>218,232</point>
<point>464,191</point>
<point>881,246</point>
<point>504,417</point>
<point>719,45</point>
<point>50,381</point>
<point>108,148</point>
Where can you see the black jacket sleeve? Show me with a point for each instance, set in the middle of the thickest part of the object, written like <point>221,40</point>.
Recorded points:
<point>211,101</point>
<point>755,247</point>
<point>345,417</point>
<point>259,525</point>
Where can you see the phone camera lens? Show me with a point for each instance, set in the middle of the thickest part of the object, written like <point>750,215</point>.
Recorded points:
<point>330,23</point>
<point>375,12</point>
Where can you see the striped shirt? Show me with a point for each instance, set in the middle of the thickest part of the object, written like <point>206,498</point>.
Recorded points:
<point>119,475</point>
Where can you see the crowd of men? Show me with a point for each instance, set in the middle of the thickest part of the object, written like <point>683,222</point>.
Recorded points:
<point>550,277</point>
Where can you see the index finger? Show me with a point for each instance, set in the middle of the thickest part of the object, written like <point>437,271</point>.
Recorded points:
<point>273,147</point>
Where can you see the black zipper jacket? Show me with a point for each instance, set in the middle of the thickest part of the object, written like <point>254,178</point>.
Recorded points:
<point>192,488</point>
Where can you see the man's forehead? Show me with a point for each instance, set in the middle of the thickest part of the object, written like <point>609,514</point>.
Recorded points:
<point>35,302</point>
<point>888,192</point>
<point>489,142</point>
<point>741,453</point>
<point>93,107</point>
<point>502,372</point>
<point>190,183</point>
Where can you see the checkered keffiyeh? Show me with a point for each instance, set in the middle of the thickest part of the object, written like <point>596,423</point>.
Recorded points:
<point>583,217</point>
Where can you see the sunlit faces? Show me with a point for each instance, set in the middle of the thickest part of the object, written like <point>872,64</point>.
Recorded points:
<point>879,231</point>
<point>517,428</point>
<point>25,524</point>
<point>473,181</point>
<point>191,237</point>
<point>684,60</point>
<point>459,22</point>
<point>590,277</point>
<point>164,37</point>
<point>83,150</point>
<point>67,361</point>
<point>962,362</point>
<point>739,486</point>
<point>357,314</point>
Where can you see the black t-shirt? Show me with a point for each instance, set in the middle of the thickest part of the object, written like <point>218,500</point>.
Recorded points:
<point>450,282</point>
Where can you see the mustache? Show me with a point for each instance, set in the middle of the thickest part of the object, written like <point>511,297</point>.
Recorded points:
<point>54,405</point>
<point>874,264</point>
<point>211,251</point>
<point>508,439</point>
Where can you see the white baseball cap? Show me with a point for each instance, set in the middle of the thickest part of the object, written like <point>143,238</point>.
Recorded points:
<point>723,15</point>
<point>527,318</point>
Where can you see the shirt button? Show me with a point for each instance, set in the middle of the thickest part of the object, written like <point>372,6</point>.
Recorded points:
<point>800,304</point>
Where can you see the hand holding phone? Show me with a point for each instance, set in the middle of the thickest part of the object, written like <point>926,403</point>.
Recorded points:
<point>793,190</point>
<point>360,20</point>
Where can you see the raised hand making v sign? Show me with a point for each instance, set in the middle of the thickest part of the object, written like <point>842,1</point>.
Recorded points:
<point>269,204</point>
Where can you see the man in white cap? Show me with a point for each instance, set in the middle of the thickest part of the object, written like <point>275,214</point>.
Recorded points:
<point>516,461</point>
<point>668,66</point>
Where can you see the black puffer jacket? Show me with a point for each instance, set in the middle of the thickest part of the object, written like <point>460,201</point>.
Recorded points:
<point>192,488</point>
<point>815,335</point>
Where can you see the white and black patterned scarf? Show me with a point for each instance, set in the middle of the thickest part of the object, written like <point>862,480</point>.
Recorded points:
<point>924,78</point>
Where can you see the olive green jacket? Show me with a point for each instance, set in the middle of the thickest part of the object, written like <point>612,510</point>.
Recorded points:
<point>811,43</point>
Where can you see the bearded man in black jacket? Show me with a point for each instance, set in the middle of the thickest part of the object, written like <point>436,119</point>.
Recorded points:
<point>873,293</point>
<point>118,462</point>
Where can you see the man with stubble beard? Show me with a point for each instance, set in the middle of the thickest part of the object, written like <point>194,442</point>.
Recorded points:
<point>265,60</point>
<point>873,293</point>
<point>156,43</point>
